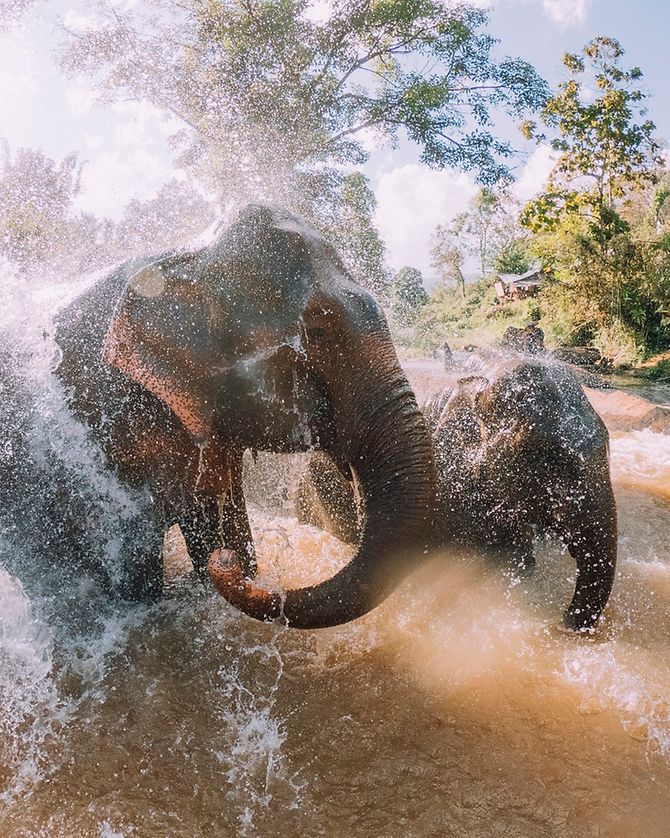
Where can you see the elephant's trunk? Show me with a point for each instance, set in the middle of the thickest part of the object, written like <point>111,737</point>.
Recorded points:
<point>383,436</point>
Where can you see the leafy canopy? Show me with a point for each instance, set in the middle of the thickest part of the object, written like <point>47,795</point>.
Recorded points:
<point>606,145</point>
<point>268,90</point>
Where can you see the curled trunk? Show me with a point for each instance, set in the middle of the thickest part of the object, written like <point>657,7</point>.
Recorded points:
<point>383,436</point>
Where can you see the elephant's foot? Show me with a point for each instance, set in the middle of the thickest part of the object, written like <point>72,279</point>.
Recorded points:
<point>581,620</point>
<point>585,611</point>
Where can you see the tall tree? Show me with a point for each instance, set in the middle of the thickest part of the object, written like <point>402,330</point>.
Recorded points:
<point>447,257</point>
<point>175,215</point>
<point>353,231</point>
<point>606,144</point>
<point>36,205</point>
<point>270,94</point>
<point>408,296</point>
<point>614,274</point>
<point>483,231</point>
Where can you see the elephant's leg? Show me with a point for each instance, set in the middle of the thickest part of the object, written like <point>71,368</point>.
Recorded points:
<point>208,522</point>
<point>199,524</point>
<point>234,523</point>
<point>590,533</point>
<point>326,499</point>
<point>142,559</point>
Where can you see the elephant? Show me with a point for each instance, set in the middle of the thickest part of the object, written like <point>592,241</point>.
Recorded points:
<point>177,364</point>
<point>517,450</point>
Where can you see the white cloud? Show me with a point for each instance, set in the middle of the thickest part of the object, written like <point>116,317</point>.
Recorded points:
<point>411,201</point>
<point>319,11</point>
<point>134,163</point>
<point>112,178</point>
<point>535,173</point>
<point>19,83</point>
<point>566,12</point>
<point>78,22</point>
<point>141,124</point>
<point>563,12</point>
<point>80,98</point>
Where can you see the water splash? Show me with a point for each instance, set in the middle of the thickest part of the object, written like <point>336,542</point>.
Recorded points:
<point>31,709</point>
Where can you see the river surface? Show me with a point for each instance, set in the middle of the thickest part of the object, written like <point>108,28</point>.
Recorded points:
<point>458,708</point>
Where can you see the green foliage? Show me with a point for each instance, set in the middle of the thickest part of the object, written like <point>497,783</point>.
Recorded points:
<point>36,205</point>
<point>606,146</point>
<point>267,89</point>
<point>175,215</point>
<point>408,296</point>
<point>599,225</point>
<point>514,257</point>
<point>349,225</point>
<point>41,231</point>
<point>447,256</point>
<point>488,230</point>
<point>659,372</point>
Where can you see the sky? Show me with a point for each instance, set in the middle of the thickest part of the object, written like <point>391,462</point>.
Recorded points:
<point>126,145</point>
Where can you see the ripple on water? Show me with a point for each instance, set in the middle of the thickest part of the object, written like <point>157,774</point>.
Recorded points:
<point>642,459</point>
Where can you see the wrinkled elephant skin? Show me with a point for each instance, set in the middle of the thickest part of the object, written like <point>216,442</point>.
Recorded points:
<point>261,340</point>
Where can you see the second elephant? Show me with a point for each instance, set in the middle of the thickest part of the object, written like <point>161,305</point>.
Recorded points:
<point>517,451</point>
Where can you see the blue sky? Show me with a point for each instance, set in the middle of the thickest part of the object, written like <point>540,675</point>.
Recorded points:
<point>126,145</point>
<point>642,27</point>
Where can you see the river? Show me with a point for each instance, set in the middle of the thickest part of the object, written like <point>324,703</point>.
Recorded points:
<point>458,708</point>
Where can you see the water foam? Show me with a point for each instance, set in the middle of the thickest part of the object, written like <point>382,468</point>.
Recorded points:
<point>643,458</point>
<point>611,679</point>
<point>28,695</point>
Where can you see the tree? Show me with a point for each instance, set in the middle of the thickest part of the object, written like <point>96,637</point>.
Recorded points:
<point>169,220</point>
<point>485,230</point>
<point>356,237</point>
<point>514,257</point>
<point>606,146</point>
<point>608,256</point>
<point>36,206</point>
<point>447,257</point>
<point>408,296</point>
<point>270,96</point>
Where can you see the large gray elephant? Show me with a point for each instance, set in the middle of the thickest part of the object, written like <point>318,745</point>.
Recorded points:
<point>261,340</point>
<point>516,451</point>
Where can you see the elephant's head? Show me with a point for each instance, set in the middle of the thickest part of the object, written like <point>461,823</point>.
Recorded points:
<point>262,340</point>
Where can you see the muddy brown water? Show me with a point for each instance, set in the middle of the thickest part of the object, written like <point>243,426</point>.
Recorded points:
<point>458,708</point>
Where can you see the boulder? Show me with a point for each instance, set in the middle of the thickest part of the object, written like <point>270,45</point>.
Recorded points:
<point>529,340</point>
<point>623,411</point>
<point>580,356</point>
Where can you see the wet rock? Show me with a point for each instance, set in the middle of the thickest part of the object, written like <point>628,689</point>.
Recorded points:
<point>580,356</point>
<point>529,340</point>
<point>626,412</point>
<point>447,356</point>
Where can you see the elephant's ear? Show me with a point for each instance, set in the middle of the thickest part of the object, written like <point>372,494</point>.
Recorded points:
<point>148,342</point>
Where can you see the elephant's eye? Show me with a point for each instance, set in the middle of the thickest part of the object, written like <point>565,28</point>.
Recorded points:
<point>315,334</point>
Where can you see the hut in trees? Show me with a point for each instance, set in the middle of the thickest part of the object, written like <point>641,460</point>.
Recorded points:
<point>518,286</point>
